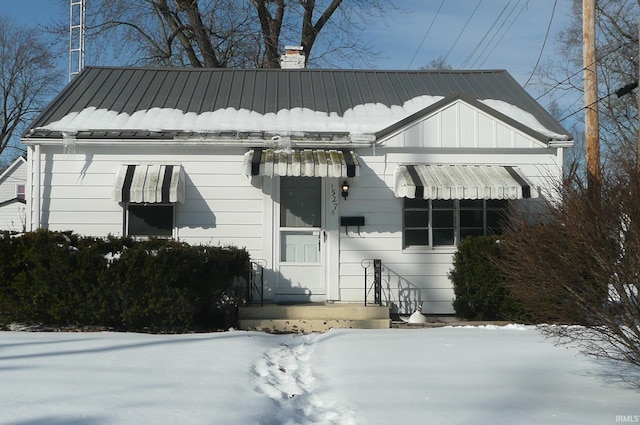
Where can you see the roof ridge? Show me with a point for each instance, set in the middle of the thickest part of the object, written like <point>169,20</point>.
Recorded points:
<point>302,70</point>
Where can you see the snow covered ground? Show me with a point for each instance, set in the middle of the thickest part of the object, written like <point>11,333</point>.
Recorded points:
<point>480,375</point>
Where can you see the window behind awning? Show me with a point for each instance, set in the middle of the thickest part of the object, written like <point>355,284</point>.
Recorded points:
<point>429,181</point>
<point>301,162</point>
<point>149,183</point>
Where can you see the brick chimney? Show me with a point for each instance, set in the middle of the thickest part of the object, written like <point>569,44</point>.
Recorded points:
<point>293,58</point>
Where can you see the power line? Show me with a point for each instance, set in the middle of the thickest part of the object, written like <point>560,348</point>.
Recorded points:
<point>425,35</point>
<point>558,84</point>
<point>553,11</point>
<point>585,107</point>
<point>475,49</point>
<point>619,93</point>
<point>462,31</point>
<point>504,33</point>
<point>577,100</point>
<point>495,34</point>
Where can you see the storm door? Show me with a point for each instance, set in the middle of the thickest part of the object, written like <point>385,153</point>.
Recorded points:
<point>300,240</point>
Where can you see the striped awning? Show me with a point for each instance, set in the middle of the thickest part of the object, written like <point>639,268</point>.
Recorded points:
<point>425,181</point>
<point>301,162</point>
<point>149,183</point>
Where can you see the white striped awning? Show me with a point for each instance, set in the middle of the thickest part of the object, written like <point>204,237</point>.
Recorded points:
<point>429,181</point>
<point>301,162</point>
<point>149,183</point>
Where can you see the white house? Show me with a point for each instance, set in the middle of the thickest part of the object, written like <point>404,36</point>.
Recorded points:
<point>316,172</point>
<point>13,181</point>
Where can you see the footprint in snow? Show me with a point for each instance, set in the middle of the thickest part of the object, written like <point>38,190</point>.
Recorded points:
<point>284,374</point>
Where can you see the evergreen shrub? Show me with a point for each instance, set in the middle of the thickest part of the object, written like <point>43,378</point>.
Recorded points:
<point>478,285</point>
<point>59,278</point>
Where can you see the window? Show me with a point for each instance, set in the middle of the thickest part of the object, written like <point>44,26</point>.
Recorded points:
<point>21,191</point>
<point>150,220</point>
<point>300,202</point>
<point>446,222</point>
<point>300,218</point>
<point>495,215</point>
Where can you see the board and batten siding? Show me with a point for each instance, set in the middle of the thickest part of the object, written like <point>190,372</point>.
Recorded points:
<point>221,207</point>
<point>460,125</point>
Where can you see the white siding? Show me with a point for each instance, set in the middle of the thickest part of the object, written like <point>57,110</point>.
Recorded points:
<point>13,215</point>
<point>221,206</point>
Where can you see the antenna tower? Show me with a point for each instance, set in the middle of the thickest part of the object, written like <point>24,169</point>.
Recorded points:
<point>76,36</point>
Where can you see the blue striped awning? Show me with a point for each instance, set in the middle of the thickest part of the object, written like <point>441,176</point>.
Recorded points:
<point>436,181</point>
<point>301,162</point>
<point>149,183</point>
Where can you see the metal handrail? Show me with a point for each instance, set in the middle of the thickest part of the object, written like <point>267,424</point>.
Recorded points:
<point>256,280</point>
<point>377,279</point>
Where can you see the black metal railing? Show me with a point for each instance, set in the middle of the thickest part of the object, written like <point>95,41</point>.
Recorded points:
<point>255,286</point>
<point>376,276</point>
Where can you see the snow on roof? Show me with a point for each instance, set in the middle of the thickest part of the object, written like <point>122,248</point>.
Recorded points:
<point>366,118</point>
<point>362,119</point>
<point>523,117</point>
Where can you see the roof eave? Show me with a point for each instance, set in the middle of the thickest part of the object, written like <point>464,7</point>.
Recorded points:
<point>222,138</point>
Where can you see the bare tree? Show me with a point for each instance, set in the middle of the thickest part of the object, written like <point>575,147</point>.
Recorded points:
<point>438,64</point>
<point>230,33</point>
<point>617,66</point>
<point>27,78</point>
<point>582,266</point>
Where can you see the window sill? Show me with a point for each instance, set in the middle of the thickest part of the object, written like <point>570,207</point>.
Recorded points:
<point>148,237</point>
<point>425,249</point>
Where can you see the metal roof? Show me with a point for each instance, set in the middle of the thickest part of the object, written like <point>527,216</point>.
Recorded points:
<point>197,90</point>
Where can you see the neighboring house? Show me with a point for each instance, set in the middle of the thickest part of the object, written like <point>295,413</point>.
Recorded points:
<point>13,183</point>
<point>314,172</point>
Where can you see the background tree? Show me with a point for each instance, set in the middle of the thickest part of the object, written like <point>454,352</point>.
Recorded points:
<point>27,79</point>
<point>229,33</point>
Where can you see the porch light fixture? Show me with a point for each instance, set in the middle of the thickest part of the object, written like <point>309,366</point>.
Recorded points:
<point>345,190</point>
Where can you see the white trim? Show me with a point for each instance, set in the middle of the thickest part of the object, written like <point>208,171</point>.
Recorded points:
<point>36,184</point>
<point>16,163</point>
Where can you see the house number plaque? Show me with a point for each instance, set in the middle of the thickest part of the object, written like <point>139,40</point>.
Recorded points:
<point>334,199</point>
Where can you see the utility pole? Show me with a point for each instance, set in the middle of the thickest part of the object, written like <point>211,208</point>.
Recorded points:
<point>592,132</point>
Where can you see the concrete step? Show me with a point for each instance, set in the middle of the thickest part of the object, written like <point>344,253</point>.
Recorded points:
<point>314,311</point>
<point>307,318</point>
<point>310,325</point>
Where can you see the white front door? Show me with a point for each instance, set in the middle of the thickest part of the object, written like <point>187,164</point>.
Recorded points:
<point>300,240</point>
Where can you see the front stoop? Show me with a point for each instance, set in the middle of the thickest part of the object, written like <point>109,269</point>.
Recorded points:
<point>308,318</point>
